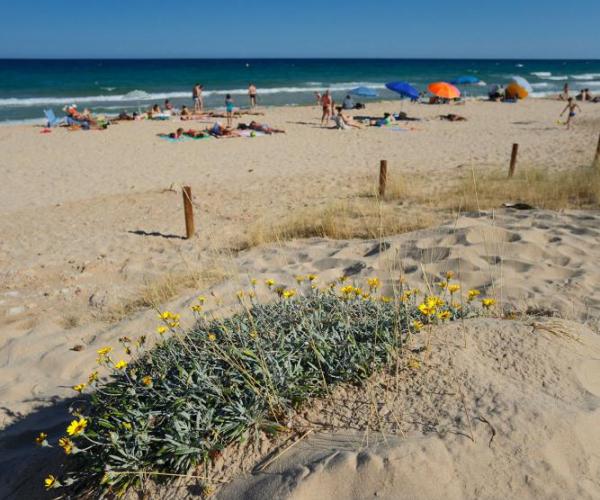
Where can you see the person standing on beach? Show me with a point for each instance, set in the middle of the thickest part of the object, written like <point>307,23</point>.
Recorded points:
<point>570,107</point>
<point>229,110</point>
<point>326,103</point>
<point>197,95</point>
<point>564,96</point>
<point>252,95</point>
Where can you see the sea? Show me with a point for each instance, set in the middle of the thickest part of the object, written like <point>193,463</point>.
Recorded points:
<point>27,87</point>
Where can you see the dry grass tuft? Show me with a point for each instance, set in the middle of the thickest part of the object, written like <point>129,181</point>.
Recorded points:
<point>156,293</point>
<point>350,219</point>
<point>578,188</point>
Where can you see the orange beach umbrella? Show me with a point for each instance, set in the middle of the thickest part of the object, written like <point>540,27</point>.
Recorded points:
<point>444,90</point>
<point>515,90</point>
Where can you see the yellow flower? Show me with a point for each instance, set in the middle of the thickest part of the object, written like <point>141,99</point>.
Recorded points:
<point>104,351</point>
<point>453,288</point>
<point>126,425</point>
<point>449,275</point>
<point>240,294</point>
<point>41,438</point>
<point>269,282</point>
<point>300,278</point>
<point>165,315</point>
<point>288,294</point>
<point>66,444</point>
<point>120,365</point>
<point>50,482</point>
<point>347,290</point>
<point>76,427</point>
<point>366,295</point>
<point>253,334</point>
<point>426,309</point>
<point>417,325</point>
<point>442,284</point>
<point>414,364</point>
<point>385,299</point>
<point>357,291</point>
<point>79,387</point>
<point>487,303</point>
<point>161,329</point>
<point>173,324</point>
<point>312,277</point>
<point>93,377</point>
<point>473,294</point>
<point>444,315</point>
<point>434,301</point>
<point>373,283</point>
<point>202,298</point>
<point>147,380</point>
<point>212,337</point>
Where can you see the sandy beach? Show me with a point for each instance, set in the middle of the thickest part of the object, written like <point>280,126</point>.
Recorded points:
<point>92,235</point>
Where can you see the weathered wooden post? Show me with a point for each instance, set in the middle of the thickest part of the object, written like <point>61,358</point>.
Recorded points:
<point>382,177</point>
<point>188,211</point>
<point>513,160</point>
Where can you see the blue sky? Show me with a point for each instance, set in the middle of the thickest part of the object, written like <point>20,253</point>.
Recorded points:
<point>306,28</point>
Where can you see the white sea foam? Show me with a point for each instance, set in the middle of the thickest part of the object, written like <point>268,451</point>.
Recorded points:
<point>141,95</point>
<point>541,85</point>
<point>518,65</point>
<point>558,78</point>
<point>541,74</point>
<point>586,76</point>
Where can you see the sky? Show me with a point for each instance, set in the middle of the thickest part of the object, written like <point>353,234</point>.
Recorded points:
<point>303,28</point>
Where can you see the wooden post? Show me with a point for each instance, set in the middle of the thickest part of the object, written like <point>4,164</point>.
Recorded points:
<point>188,211</point>
<point>513,160</point>
<point>382,177</point>
<point>597,157</point>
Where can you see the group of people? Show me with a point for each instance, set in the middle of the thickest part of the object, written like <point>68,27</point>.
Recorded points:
<point>198,98</point>
<point>219,131</point>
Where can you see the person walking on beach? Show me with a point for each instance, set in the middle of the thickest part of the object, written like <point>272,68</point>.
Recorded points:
<point>570,107</point>
<point>229,110</point>
<point>197,95</point>
<point>252,95</point>
<point>326,103</point>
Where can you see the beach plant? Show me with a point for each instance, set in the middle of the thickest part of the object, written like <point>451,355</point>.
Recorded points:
<point>177,405</point>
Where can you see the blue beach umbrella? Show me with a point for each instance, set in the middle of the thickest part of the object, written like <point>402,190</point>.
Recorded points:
<point>364,92</point>
<point>465,80</point>
<point>404,89</point>
<point>521,82</point>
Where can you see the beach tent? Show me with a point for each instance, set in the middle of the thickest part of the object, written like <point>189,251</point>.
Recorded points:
<point>465,80</point>
<point>444,90</point>
<point>364,92</point>
<point>404,89</point>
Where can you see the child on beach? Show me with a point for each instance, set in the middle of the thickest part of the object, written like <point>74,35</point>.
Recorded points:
<point>229,109</point>
<point>570,107</point>
<point>252,95</point>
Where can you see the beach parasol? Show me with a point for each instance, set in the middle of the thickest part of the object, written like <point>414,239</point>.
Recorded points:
<point>466,80</point>
<point>364,92</point>
<point>514,90</point>
<point>404,89</point>
<point>444,90</point>
<point>521,82</point>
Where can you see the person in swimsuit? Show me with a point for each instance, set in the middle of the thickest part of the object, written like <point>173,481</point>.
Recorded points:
<point>263,127</point>
<point>342,121</point>
<point>218,131</point>
<point>570,107</point>
<point>197,95</point>
<point>326,103</point>
<point>318,97</point>
<point>229,110</point>
<point>252,95</point>
<point>564,96</point>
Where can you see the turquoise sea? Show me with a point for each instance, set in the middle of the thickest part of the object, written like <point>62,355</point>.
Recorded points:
<point>29,86</point>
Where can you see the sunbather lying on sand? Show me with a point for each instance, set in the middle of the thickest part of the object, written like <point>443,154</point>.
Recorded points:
<point>186,114</point>
<point>219,131</point>
<point>79,117</point>
<point>451,117</point>
<point>402,116</point>
<point>382,122</point>
<point>260,127</point>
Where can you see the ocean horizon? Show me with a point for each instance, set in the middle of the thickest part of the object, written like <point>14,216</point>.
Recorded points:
<point>28,86</point>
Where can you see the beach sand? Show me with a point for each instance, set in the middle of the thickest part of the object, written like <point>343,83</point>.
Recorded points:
<point>93,220</point>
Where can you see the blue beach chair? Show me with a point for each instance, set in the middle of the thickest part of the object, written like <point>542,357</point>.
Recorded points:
<point>52,120</point>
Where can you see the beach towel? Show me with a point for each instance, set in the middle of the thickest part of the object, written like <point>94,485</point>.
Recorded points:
<point>251,133</point>
<point>173,139</point>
